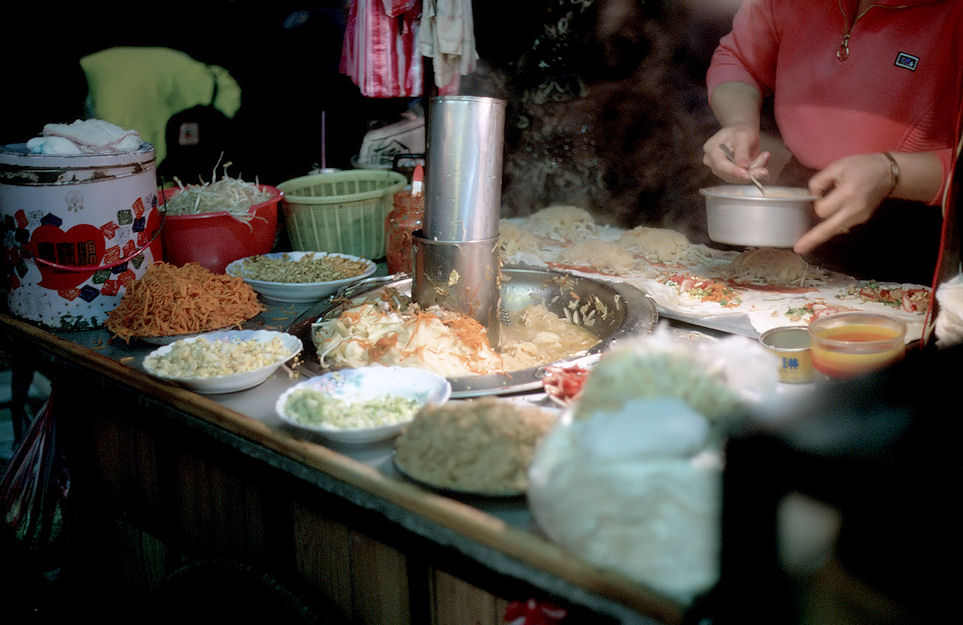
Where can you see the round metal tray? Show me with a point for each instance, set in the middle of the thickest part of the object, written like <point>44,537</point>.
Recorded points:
<point>621,310</point>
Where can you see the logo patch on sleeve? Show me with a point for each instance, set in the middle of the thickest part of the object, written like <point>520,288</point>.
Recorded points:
<point>907,61</point>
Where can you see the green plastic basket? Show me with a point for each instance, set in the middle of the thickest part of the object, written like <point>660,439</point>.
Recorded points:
<point>341,211</point>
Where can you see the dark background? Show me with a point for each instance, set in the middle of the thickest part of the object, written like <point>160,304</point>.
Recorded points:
<point>606,99</point>
<point>284,55</point>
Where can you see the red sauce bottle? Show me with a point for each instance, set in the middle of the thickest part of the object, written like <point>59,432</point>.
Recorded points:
<point>407,216</point>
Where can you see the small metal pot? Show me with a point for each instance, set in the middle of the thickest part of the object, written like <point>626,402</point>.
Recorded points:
<point>791,345</point>
<point>742,215</point>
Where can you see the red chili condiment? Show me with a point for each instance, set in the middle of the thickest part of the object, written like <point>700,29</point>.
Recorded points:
<point>407,216</point>
<point>564,383</point>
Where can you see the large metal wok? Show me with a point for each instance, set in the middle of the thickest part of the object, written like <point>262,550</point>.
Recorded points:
<point>620,310</point>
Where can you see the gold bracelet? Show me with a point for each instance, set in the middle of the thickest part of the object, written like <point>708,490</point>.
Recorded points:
<point>893,172</point>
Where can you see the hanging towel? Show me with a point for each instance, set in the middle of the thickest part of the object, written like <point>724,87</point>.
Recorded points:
<point>380,51</point>
<point>141,87</point>
<point>448,37</point>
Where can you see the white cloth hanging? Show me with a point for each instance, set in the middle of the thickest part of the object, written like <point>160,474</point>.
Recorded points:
<point>448,37</point>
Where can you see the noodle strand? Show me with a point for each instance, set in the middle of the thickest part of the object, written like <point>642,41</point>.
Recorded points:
<point>169,300</point>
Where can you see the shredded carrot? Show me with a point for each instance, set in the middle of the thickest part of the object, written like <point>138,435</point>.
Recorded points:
<point>468,330</point>
<point>169,300</point>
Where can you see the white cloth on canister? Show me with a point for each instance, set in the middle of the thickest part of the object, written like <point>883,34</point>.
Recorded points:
<point>88,136</point>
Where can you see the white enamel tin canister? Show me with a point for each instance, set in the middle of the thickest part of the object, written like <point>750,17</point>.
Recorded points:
<point>77,229</point>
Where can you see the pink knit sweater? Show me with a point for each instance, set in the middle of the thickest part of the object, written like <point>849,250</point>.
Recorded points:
<point>899,89</point>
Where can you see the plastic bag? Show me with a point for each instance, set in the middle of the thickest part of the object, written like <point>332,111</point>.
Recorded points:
<point>33,490</point>
<point>719,378</point>
<point>630,477</point>
<point>949,319</point>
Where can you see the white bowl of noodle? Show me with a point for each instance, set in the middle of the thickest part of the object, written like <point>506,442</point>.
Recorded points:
<point>300,277</point>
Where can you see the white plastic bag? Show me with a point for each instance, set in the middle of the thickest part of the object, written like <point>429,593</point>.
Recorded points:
<point>630,478</point>
<point>949,320</point>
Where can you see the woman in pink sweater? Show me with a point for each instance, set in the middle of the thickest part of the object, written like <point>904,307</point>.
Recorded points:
<point>866,97</point>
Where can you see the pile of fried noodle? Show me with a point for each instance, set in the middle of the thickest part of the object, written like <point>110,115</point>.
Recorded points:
<point>169,300</point>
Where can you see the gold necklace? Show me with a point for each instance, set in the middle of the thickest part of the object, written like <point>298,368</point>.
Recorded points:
<point>842,52</point>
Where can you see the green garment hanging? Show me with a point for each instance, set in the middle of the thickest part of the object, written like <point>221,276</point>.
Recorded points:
<point>139,88</point>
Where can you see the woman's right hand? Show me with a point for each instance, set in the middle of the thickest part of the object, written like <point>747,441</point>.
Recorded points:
<point>743,142</point>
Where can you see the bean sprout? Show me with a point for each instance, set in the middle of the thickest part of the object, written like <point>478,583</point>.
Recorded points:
<point>230,195</point>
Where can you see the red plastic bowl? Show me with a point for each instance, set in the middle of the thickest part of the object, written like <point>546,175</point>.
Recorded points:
<point>216,239</point>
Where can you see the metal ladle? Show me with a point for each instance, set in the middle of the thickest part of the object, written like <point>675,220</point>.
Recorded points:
<point>732,159</point>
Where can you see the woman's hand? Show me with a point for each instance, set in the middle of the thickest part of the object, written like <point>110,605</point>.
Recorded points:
<point>742,141</point>
<point>736,106</point>
<point>849,191</point>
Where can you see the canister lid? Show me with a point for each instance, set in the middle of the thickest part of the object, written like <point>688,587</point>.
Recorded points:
<point>17,155</point>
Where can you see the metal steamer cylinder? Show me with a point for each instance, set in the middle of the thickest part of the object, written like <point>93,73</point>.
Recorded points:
<point>459,276</point>
<point>456,257</point>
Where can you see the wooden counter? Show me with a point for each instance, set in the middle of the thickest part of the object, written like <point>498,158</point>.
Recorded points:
<point>172,491</point>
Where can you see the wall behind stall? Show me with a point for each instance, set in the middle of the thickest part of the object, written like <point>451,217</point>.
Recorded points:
<point>606,104</point>
<point>606,98</point>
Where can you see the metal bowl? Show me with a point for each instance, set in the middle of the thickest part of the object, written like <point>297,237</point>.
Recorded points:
<point>742,215</point>
<point>628,311</point>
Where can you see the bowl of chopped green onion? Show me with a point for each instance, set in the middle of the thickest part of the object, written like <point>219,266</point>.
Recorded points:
<point>300,277</point>
<point>362,405</point>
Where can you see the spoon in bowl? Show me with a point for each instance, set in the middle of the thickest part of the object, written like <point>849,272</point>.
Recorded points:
<point>732,159</point>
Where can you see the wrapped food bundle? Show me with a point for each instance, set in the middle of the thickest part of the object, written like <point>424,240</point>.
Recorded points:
<point>630,478</point>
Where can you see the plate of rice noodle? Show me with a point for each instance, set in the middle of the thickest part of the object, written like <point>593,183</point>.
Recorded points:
<point>476,448</point>
<point>300,277</point>
<point>170,303</point>
<point>223,362</point>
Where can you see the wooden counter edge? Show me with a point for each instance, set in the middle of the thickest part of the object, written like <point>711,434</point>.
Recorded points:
<point>457,516</point>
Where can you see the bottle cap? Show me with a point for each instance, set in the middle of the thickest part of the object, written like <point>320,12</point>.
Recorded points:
<point>417,179</point>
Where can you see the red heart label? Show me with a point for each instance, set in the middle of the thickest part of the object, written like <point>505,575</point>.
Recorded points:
<point>81,246</point>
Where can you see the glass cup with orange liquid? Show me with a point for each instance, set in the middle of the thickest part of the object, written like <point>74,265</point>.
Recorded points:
<point>846,345</point>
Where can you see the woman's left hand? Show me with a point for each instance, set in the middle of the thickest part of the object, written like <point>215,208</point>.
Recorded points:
<point>849,191</point>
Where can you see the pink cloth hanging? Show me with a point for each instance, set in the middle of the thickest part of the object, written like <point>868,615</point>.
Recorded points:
<point>381,52</point>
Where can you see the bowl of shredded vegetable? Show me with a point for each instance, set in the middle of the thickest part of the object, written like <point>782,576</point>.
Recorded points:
<point>300,277</point>
<point>361,405</point>
<point>213,224</point>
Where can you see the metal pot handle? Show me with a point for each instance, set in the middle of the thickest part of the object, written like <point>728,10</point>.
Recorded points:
<point>367,284</point>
